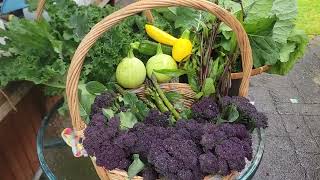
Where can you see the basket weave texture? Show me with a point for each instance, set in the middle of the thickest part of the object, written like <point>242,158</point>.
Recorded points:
<point>115,18</point>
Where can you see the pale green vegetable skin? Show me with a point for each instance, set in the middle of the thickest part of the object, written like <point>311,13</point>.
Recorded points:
<point>130,72</point>
<point>160,61</point>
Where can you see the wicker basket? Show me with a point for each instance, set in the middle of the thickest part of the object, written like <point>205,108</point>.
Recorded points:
<point>116,17</point>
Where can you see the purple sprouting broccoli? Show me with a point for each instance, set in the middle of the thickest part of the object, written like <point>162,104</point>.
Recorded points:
<point>104,100</point>
<point>209,163</point>
<point>147,135</point>
<point>126,140</point>
<point>99,139</point>
<point>233,152</point>
<point>156,118</point>
<point>112,156</point>
<point>149,173</point>
<point>191,128</point>
<point>176,157</point>
<point>228,145</point>
<point>205,110</point>
<point>249,113</point>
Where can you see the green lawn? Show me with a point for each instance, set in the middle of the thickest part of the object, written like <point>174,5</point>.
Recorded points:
<point>309,16</point>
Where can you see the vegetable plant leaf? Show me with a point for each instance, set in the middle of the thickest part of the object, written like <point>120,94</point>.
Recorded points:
<point>127,120</point>
<point>136,106</point>
<point>95,87</point>
<point>186,113</point>
<point>171,72</point>
<point>86,98</point>
<point>284,9</point>
<point>229,114</point>
<point>79,23</point>
<point>208,87</point>
<point>108,113</point>
<point>232,113</point>
<point>260,9</point>
<point>301,40</point>
<point>186,18</point>
<point>173,96</point>
<point>135,167</point>
<point>286,12</point>
<point>281,30</point>
<point>264,50</point>
<point>259,17</point>
<point>286,50</point>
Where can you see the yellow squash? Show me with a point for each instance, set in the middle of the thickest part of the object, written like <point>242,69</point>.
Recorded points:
<point>159,35</point>
<point>182,48</point>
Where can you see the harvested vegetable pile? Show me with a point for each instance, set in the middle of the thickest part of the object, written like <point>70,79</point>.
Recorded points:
<point>154,94</point>
<point>190,149</point>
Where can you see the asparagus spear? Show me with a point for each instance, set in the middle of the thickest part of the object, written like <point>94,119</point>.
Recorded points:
<point>164,98</point>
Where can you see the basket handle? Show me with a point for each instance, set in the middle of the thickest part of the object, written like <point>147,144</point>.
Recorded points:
<point>116,17</point>
<point>40,9</point>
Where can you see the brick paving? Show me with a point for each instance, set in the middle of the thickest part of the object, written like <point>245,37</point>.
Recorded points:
<point>292,143</point>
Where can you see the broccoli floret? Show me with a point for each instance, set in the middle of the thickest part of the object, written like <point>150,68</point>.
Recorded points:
<point>205,110</point>
<point>226,145</point>
<point>126,140</point>
<point>149,173</point>
<point>104,100</point>
<point>195,130</point>
<point>156,118</point>
<point>209,163</point>
<point>111,156</point>
<point>249,113</point>
<point>175,156</point>
<point>98,142</point>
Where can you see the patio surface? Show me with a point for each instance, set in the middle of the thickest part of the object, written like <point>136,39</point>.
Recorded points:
<point>292,144</point>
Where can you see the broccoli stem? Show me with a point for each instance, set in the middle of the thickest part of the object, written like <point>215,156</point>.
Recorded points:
<point>164,98</point>
<point>155,96</point>
<point>120,89</point>
<point>149,103</point>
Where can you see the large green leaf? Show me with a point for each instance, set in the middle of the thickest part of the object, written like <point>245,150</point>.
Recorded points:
<point>281,30</point>
<point>260,9</point>
<point>286,50</point>
<point>285,9</point>
<point>301,40</point>
<point>264,50</point>
<point>259,17</point>
<point>286,12</point>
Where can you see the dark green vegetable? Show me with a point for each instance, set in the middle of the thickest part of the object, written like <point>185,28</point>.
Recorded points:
<point>164,98</point>
<point>150,48</point>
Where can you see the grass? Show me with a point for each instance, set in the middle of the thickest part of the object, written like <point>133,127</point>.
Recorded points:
<point>309,16</point>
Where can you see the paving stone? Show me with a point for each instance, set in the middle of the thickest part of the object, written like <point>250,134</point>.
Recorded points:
<point>305,77</point>
<point>302,109</point>
<point>305,143</point>
<point>313,122</point>
<point>275,126</point>
<point>285,108</point>
<point>311,163</point>
<point>279,161</point>
<point>317,138</point>
<point>294,124</point>
<point>270,80</point>
<point>300,134</point>
<point>283,95</point>
<point>262,99</point>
